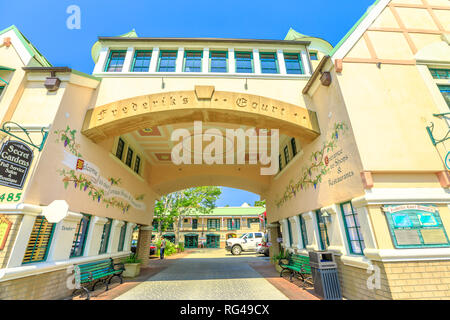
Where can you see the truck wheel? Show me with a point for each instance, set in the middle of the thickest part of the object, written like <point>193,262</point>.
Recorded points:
<point>236,250</point>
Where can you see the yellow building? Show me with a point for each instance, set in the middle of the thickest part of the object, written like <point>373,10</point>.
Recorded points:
<point>360,174</point>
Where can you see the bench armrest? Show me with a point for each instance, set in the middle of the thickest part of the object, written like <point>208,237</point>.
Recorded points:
<point>120,264</point>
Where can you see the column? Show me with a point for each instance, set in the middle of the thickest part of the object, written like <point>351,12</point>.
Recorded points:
<point>21,242</point>
<point>312,231</point>
<point>274,234</point>
<point>286,239</point>
<point>94,236</point>
<point>128,236</point>
<point>256,61</point>
<point>300,244</point>
<point>205,60</point>
<point>154,60</point>
<point>114,236</point>
<point>101,62</point>
<point>281,63</point>
<point>360,206</point>
<point>143,245</point>
<point>180,59</point>
<point>336,229</point>
<point>231,61</point>
<point>305,61</point>
<point>63,235</point>
<point>128,60</point>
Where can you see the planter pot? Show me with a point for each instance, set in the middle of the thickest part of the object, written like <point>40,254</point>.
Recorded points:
<point>132,270</point>
<point>277,267</point>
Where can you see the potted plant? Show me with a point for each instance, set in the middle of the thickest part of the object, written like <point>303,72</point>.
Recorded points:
<point>280,257</point>
<point>132,266</point>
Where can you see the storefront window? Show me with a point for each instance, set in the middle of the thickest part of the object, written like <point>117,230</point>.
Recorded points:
<point>213,224</point>
<point>323,231</point>
<point>141,61</point>
<point>193,61</point>
<point>218,61</point>
<point>105,237</point>
<point>123,231</point>
<point>353,229</point>
<point>303,232</point>
<point>39,242</point>
<point>416,226</point>
<point>167,61</point>
<point>115,61</point>
<point>80,236</point>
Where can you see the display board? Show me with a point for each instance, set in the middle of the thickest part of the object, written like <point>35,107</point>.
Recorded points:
<point>416,226</point>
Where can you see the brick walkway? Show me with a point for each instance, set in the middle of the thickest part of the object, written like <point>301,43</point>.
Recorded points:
<point>293,291</point>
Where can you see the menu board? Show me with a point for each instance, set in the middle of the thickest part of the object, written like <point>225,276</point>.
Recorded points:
<point>416,226</point>
<point>15,161</point>
<point>5,227</point>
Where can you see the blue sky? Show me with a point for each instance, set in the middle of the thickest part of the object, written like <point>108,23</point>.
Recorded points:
<point>44,24</point>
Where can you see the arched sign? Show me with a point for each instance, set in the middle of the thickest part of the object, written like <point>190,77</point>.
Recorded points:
<point>15,161</point>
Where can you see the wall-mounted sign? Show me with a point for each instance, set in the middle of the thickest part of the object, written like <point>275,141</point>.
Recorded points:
<point>15,161</point>
<point>416,226</point>
<point>5,227</point>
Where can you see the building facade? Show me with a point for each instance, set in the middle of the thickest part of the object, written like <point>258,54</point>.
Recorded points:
<point>363,166</point>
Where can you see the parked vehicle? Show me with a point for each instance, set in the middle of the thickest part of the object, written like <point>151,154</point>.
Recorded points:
<point>248,242</point>
<point>263,248</point>
<point>134,245</point>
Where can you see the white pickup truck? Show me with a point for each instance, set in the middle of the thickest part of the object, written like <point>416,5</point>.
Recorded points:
<point>246,243</point>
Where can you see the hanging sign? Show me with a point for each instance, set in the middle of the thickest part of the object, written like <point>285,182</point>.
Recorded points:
<point>15,161</point>
<point>5,227</point>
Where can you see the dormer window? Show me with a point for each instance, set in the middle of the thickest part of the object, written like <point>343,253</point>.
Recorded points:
<point>115,61</point>
<point>313,56</point>
<point>167,61</point>
<point>141,61</point>
<point>244,62</point>
<point>218,61</point>
<point>269,63</point>
<point>293,63</point>
<point>193,61</point>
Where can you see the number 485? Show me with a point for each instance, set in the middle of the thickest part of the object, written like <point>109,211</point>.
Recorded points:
<point>10,197</point>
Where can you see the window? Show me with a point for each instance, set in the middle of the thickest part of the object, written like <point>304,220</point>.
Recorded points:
<point>2,88</point>
<point>294,147</point>
<point>170,227</point>
<point>115,61</point>
<point>155,225</point>
<point>193,61</point>
<point>286,154</point>
<point>313,56</point>
<point>39,242</point>
<point>269,62</point>
<point>80,236</point>
<point>167,61</point>
<point>280,164</point>
<point>129,157</point>
<point>303,232</point>
<point>440,73</point>
<point>249,235</point>
<point>234,224</point>
<point>141,61</point>
<point>289,231</point>
<point>123,231</point>
<point>218,61</point>
<point>194,223</point>
<point>213,224</point>
<point>185,220</point>
<point>323,232</point>
<point>293,63</point>
<point>252,220</point>
<point>258,235</point>
<point>445,91</point>
<point>120,147</point>
<point>105,237</point>
<point>244,62</point>
<point>137,164</point>
<point>353,229</point>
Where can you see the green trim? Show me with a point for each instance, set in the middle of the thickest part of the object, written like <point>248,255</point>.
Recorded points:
<point>134,59</point>
<point>7,69</point>
<point>184,60</point>
<point>303,231</point>
<point>226,59</point>
<point>252,61</point>
<point>7,83</point>
<point>340,43</point>
<point>109,59</point>
<point>276,62</point>
<point>289,232</point>
<point>159,60</point>
<point>29,46</point>
<point>322,243</point>
<point>82,74</point>
<point>107,237</point>
<point>349,241</point>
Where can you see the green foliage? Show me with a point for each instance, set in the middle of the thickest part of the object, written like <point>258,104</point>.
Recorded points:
<point>279,256</point>
<point>132,259</point>
<point>170,247</point>
<point>177,204</point>
<point>260,203</point>
<point>180,246</point>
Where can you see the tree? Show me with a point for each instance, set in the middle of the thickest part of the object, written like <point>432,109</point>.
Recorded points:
<point>260,203</point>
<point>174,206</point>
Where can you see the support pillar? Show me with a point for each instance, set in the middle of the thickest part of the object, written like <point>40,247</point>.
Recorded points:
<point>274,234</point>
<point>143,245</point>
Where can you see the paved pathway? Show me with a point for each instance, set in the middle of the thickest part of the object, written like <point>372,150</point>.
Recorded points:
<point>208,274</point>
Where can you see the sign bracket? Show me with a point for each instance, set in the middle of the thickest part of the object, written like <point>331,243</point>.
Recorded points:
<point>10,126</point>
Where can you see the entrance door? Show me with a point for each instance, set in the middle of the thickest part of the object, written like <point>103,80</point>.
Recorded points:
<point>212,241</point>
<point>191,241</point>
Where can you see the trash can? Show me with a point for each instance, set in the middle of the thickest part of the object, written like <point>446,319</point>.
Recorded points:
<point>325,275</point>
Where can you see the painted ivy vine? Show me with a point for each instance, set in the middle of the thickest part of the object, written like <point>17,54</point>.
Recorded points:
<point>312,175</point>
<point>82,183</point>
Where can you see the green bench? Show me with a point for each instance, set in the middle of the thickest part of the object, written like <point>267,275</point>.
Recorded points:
<point>91,274</point>
<point>297,265</point>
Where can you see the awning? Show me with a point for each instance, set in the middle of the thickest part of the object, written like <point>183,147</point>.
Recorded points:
<point>191,235</point>
<point>6,68</point>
